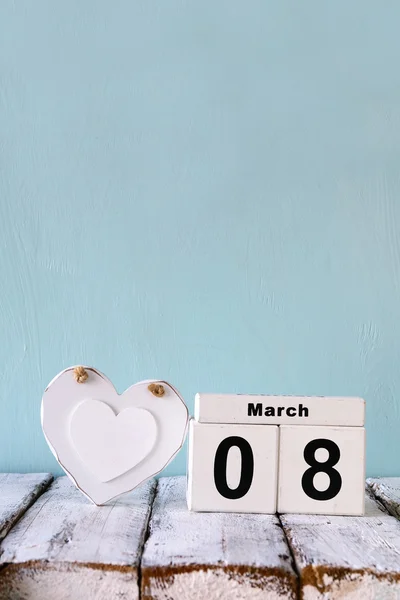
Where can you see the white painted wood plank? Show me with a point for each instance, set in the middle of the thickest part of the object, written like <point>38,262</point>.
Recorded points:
<point>387,490</point>
<point>346,557</point>
<point>17,493</point>
<point>194,556</point>
<point>65,548</point>
<point>280,410</point>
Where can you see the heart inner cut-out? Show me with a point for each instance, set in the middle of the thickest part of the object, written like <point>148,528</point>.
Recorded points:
<point>109,444</point>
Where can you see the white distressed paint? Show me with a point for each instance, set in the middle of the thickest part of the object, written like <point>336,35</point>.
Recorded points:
<point>17,493</point>
<point>83,549</point>
<point>347,557</point>
<point>203,494</point>
<point>218,584</point>
<point>351,468</point>
<point>197,555</point>
<point>63,548</point>
<point>59,582</point>
<point>296,410</point>
<point>387,490</point>
<point>63,397</point>
<point>353,587</point>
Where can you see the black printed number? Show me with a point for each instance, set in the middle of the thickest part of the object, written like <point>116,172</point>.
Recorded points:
<point>307,481</point>
<point>247,467</point>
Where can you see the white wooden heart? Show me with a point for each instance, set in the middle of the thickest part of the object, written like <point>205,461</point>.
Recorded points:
<point>130,437</point>
<point>109,443</point>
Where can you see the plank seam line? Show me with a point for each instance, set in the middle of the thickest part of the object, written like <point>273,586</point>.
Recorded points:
<point>381,501</point>
<point>145,538</point>
<point>39,511</point>
<point>293,561</point>
<point>31,500</point>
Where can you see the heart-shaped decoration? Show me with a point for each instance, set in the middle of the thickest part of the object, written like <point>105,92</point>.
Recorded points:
<point>109,443</point>
<point>130,437</point>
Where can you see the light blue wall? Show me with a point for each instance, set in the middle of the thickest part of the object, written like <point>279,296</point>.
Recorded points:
<point>207,192</point>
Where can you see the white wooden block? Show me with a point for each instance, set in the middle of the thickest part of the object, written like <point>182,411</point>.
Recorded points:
<point>322,470</point>
<point>233,468</point>
<point>280,410</point>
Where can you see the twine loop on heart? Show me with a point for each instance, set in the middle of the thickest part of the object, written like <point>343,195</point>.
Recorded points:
<point>80,374</point>
<point>156,389</point>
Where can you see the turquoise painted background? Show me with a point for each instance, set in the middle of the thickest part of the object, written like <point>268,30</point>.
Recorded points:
<point>207,192</point>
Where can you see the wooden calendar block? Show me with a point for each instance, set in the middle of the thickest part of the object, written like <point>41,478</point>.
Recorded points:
<point>280,410</point>
<point>232,468</point>
<point>321,470</point>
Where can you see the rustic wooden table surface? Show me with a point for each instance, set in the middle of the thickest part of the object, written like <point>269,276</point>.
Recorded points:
<point>57,545</point>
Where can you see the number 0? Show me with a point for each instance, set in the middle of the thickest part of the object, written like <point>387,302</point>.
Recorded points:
<point>247,467</point>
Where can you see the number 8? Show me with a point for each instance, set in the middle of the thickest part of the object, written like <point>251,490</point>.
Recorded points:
<point>307,482</point>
